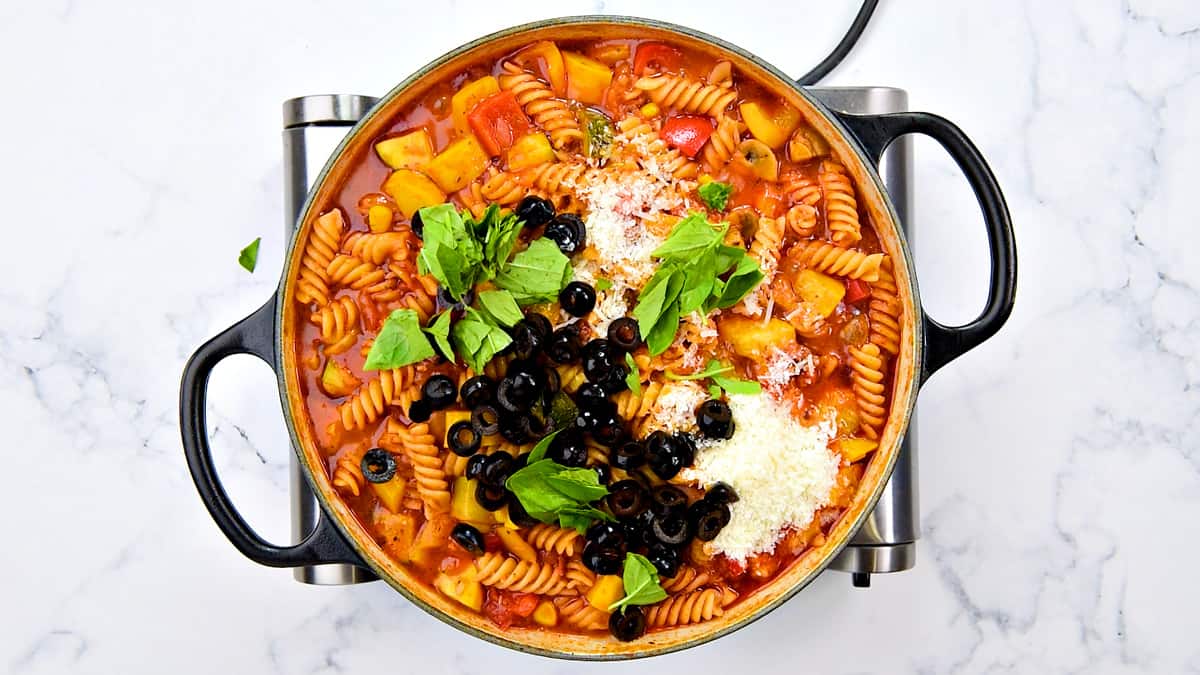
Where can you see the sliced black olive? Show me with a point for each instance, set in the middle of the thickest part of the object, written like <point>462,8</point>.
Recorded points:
<point>568,449</point>
<point>624,333</point>
<point>520,461</point>
<point>668,499</point>
<point>507,400</point>
<point>715,419</point>
<point>628,624</point>
<point>485,419</point>
<point>378,465</point>
<point>686,447</point>
<point>577,298</point>
<point>664,558</point>
<point>417,225</point>
<point>670,529</point>
<point>627,498</point>
<point>591,395</point>
<point>447,301</point>
<point>420,411</point>
<point>535,211</point>
<point>709,519</point>
<point>609,431</point>
<point>517,512</point>
<point>721,493</point>
<point>478,390</point>
<point>440,391</point>
<point>616,380</point>
<point>475,467</point>
<point>527,341</point>
<point>662,455</point>
<point>515,428</point>
<point>498,468</point>
<point>628,455</point>
<point>606,535</point>
<point>568,232</point>
<point>599,360</point>
<point>463,438</point>
<point>539,323</point>
<point>564,346</point>
<point>536,425</point>
<point>468,537</point>
<point>491,497</point>
<point>637,529</point>
<point>602,560</point>
<point>588,420</point>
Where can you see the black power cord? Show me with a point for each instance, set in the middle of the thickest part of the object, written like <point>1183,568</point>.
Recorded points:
<point>843,48</point>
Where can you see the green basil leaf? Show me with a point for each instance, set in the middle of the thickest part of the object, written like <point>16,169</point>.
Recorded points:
<point>476,338</point>
<point>248,257</point>
<point>715,195</point>
<point>500,307</point>
<point>399,342</point>
<point>713,368</point>
<point>603,284</point>
<point>539,451</point>
<point>736,386</point>
<point>439,330</point>
<point>499,234</point>
<point>449,250</point>
<point>690,235</point>
<point>652,299</point>
<point>640,579</point>
<point>581,518</point>
<point>746,276</point>
<point>634,378</point>
<point>714,391</point>
<point>662,334</point>
<point>536,274</point>
<point>580,484</point>
<point>540,499</point>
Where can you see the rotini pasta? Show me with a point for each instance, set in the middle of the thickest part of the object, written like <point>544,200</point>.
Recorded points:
<point>681,610</point>
<point>841,207</point>
<point>681,93</point>
<point>866,372</point>
<point>686,580</point>
<point>539,102</point>
<point>579,613</point>
<point>378,248</point>
<point>884,311</point>
<point>372,399</point>
<point>561,540</point>
<point>500,571</point>
<point>322,246</point>
<point>723,143</point>
<point>843,262</point>
<point>638,132</point>
<point>422,452</point>
<point>339,324</point>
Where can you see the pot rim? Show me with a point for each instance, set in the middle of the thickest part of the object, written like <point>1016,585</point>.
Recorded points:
<point>900,411</point>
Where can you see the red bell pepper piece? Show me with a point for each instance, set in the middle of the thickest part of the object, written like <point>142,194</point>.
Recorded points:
<point>656,55</point>
<point>688,133</point>
<point>856,290</point>
<point>498,122</point>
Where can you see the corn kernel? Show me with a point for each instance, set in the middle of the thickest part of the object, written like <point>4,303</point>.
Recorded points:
<point>546,614</point>
<point>379,217</point>
<point>650,109</point>
<point>705,179</point>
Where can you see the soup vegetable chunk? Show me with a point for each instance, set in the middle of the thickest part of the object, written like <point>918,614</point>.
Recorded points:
<point>600,340</point>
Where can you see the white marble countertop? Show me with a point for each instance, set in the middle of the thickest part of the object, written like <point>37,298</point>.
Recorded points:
<point>1059,470</point>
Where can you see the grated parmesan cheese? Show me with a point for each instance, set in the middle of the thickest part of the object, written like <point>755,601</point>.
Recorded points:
<point>781,470</point>
<point>782,367</point>
<point>675,408</point>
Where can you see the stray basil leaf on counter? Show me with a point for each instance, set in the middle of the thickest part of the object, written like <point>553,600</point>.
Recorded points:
<point>640,579</point>
<point>248,258</point>
<point>536,274</point>
<point>439,330</point>
<point>476,338</point>
<point>634,378</point>
<point>500,307</point>
<point>715,195</point>
<point>400,342</point>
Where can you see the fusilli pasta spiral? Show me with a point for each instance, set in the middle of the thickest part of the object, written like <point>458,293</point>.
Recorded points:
<point>687,95</point>
<point>500,571</point>
<point>371,400</point>
<point>802,220</point>
<point>681,610</point>
<point>638,132</point>
<point>539,103</point>
<point>339,324</point>
<point>579,613</point>
<point>322,246</point>
<point>844,262</point>
<point>561,540</point>
<point>347,474</point>
<point>841,207</point>
<point>378,248</point>
<point>723,143</point>
<point>419,444</point>
<point>360,275</point>
<point>686,580</point>
<point>866,374</point>
<point>884,311</point>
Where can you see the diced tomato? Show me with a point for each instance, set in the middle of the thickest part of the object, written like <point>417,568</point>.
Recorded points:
<point>688,133</point>
<point>452,564</point>
<point>856,289</point>
<point>764,197</point>
<point>655,55</point>
<point>498,122</point>
<point>504,607</point>
<point>492,543</point>
<point>729,567</point>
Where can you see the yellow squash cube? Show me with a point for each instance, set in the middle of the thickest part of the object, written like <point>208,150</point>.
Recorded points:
<point>412,191</point>
<point>337,380</point>
<point>854,449</point>
<point>465,100</point>
<point>770,126</point>
<point>586,78</point>
<point>821,291</point>
<point>463,587</point>
<point>430,540</point>
<point>530,150</point>
<point>460,163</point>
<point>750,338</point>
<point>452,418</point>
<point>516,545</point>
<point>412,150</point>
<point>390,493</point>
<point>463,505</point>
<point>608,589</point>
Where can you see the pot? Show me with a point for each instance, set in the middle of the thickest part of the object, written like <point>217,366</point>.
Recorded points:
<point>926,345</point>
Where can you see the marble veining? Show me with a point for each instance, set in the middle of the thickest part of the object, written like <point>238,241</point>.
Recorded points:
<point>1060,474</point>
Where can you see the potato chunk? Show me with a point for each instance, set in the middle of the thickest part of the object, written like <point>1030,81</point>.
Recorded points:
<point>752,339</point>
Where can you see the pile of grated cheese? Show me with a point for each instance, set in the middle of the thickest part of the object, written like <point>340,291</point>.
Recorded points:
<point>781,470</point>
<point>675,408</point>
<point>782,367</point>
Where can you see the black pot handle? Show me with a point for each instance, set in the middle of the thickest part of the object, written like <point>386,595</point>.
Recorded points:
<point>944,343</point>
<point>253,335</point>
